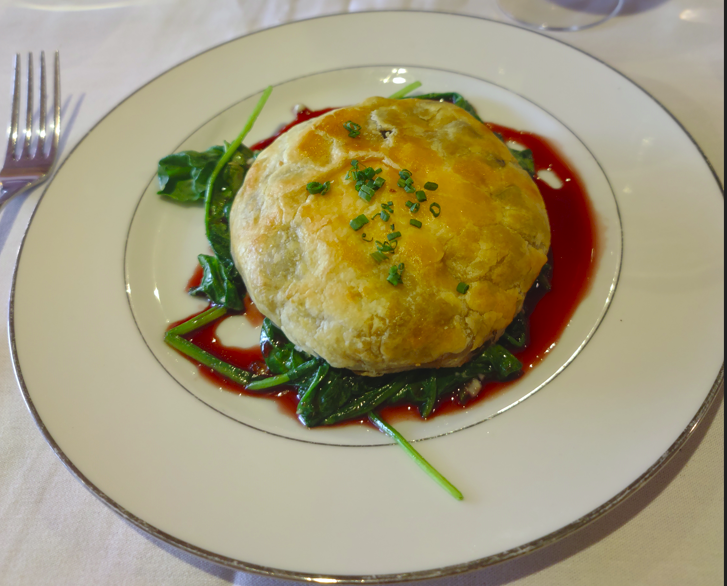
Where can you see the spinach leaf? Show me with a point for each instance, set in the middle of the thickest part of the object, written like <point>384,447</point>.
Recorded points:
<point>280,354</point>
<point>183,176</point>
<point>332,395</point>
<point>217,212</point>
<point>452,98</point>
<point>216,284</point>
<point>517,334</point>
<point>525,160</point>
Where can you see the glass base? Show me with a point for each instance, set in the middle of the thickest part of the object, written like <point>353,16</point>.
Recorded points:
<point>560,15</point>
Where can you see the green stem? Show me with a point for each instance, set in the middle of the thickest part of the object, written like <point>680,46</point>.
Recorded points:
<point>237,375</point>
<point>204,318</point>
<point>174,338</point>
<point>281,379</point>
<point>234,146</point>
<point>365,404</point>
<point>417,457</point>
<point>407,89</point>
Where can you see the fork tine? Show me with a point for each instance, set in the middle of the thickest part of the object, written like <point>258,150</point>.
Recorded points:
<point>15,116</point>
<point>29,111</point>
<point>42,126</point>
<point>56,108</point>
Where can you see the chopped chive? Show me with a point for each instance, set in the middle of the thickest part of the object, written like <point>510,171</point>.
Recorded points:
<point>385,246</point>
<point>314,187</point>
<point>409,189</point>
<point>358,223</point>
<point>415,223</point>
<point>363,237</point>
<point>354,163</point>
<point>409,181</point>
<point>401,183</point>
<point>379,170</point>
<point>436,209</point>
<point>384,215</point>
<point>429,186</point>
<point>421,196</point>
<point>405,174</point>
<point>366,193</point>
<point>395,274</point>
<point>409,204</point>
<point>379,181</point>
<point>414,208</point>
<point>378,256</point>
<point>353,129</point>
<point>393,235</point>
<point>462,288</point>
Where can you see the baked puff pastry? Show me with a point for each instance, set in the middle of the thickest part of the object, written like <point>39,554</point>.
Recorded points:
<point>313,275</point>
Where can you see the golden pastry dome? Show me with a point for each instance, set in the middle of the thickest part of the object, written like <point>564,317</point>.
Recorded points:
<point>312,274</point>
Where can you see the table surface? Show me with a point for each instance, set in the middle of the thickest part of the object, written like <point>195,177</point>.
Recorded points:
<point>53,531</point>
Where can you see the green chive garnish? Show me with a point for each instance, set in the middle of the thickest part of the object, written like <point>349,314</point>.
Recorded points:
<point>386,247</point>
<point>354,163</point>
<point>421,196</point>
<point>353,129</point>
<point>436,209</point>
<point>315,187</point>
<point>401,183</point>
<point>378,182</point>
<point>363,237</point>
<point>384,215</point>
<point>409,189</point>
<point>415,223</point>
<point>358,223</point>
<point>395,274</point>
<point>462,288</point>
<point>405,174</point>
<point>393,235</point>
<point>429,186</point>
<point>366,193</point>
<point>378,256</point>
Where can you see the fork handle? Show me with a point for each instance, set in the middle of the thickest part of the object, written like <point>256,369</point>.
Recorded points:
<point>10,187</point>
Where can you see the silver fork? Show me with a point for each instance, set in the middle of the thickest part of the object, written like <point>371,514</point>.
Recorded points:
<point>27,170</point>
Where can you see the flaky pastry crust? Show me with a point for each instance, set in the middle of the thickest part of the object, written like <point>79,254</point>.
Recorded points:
<point>313,275</point>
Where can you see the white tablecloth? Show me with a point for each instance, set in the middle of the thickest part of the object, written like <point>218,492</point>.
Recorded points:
<point>53,531</point>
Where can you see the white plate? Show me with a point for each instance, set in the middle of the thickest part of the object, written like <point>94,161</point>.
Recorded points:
<point>104,262</point>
